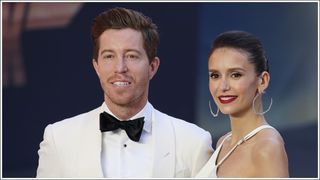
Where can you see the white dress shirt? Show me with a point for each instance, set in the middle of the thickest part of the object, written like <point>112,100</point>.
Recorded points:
<point>124,158</point>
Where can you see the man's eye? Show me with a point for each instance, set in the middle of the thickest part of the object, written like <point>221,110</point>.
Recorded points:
<point>131,56</point>
<point>109,56</point>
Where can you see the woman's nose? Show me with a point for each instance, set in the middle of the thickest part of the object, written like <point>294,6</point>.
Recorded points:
<point>224,85</point>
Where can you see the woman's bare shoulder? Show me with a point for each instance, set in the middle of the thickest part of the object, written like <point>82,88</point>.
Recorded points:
<point>221,139</point>
<point>269,154</point>
<point>267,140</point>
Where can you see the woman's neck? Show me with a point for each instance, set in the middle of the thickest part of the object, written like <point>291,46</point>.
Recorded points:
<point>242,125</point>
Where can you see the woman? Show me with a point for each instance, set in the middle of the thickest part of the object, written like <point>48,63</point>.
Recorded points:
<point>238,77</point>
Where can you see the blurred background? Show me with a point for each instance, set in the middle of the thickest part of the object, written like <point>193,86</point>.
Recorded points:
<point>47,73</point>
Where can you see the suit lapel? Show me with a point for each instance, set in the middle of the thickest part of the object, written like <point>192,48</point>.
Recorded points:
<point>163,146</point>
<point>89,155</point>
<point>91,142</point>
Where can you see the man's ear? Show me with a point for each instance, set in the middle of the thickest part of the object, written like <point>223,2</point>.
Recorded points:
<point>263,81</point>
<point>95,65</point>
<point>154,65</point>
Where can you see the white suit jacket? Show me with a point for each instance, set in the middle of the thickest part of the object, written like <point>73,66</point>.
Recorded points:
<point>72,148</point>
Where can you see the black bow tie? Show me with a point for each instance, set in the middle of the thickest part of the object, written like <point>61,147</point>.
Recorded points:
<point>133,128</point>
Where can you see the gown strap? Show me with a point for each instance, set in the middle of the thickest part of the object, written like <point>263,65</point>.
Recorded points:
<point>248,136</point>
<point>255,131</point>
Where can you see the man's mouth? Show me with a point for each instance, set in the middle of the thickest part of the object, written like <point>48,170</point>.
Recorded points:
<point>121,83</point>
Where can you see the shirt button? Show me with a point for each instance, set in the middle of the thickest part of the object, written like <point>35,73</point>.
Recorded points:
<point>125,145</point>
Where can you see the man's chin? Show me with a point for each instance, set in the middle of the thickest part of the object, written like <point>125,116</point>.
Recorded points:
<point>122,101</point>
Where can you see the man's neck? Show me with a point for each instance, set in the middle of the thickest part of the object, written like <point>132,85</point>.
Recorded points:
<point>125,112</point>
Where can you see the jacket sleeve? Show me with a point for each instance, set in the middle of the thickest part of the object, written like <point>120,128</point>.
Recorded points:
<point>202,153</point>
<point>48,165</point>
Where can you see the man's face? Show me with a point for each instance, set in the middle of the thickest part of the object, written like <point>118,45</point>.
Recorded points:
<point>123,67</point>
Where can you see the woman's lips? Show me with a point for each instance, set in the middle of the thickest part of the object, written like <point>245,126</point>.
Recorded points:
<point>227,99</point>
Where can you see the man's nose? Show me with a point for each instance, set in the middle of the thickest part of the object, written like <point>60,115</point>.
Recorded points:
<point>121,66</point>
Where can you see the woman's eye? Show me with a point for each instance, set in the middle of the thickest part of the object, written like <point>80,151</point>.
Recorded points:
<point>236,75</point>
<point>214,75</point>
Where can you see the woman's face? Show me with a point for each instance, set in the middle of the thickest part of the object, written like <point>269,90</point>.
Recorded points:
<point>233,81</point>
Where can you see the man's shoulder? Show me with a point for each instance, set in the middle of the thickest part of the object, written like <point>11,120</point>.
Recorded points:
<point>187,135</point>
<point>180,125</point>
<point>77,119</point>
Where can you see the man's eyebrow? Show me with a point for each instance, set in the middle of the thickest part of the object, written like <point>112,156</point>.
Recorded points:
<point>106,50</point>
<point>127,50</point>
<point>134,50</point>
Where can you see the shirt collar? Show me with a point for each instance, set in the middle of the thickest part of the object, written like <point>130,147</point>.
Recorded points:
<point>146,112</point>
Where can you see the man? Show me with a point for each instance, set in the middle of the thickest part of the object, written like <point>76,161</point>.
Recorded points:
<point>105,142</point>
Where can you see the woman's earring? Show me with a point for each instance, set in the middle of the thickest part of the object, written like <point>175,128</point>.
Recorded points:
<point>253,106</point>
<point>213,114</point>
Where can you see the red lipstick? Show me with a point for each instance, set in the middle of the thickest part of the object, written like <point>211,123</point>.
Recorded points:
<point>227,99</point>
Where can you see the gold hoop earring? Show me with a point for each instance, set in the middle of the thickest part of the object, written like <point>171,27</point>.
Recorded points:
<point>213,114</point>
<point>253,106</point>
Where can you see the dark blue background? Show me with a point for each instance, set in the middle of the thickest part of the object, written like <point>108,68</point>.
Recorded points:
<point>61,81</point>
